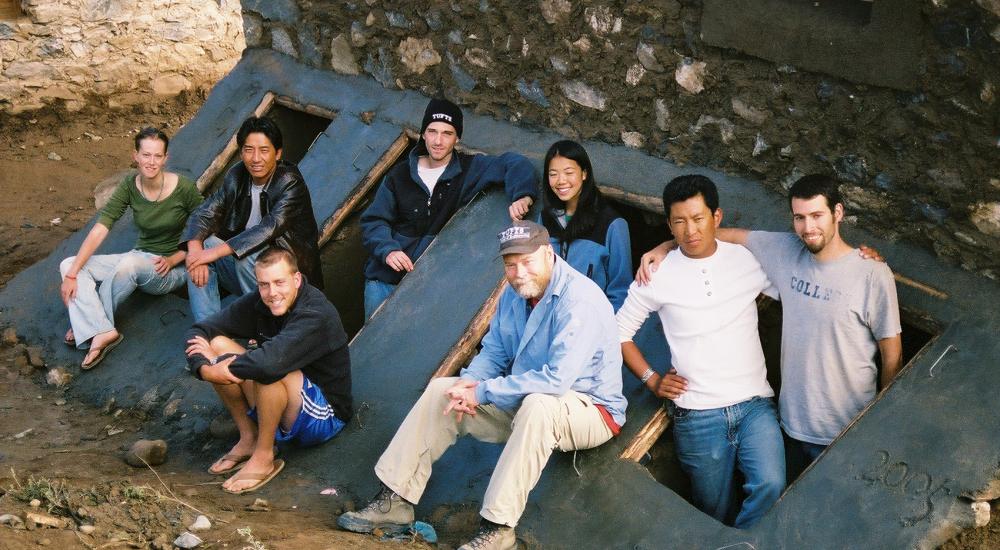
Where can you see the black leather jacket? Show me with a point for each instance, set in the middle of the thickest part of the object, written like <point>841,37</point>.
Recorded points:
<point>286,218</point>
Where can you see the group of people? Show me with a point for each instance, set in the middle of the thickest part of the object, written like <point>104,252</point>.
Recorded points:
<point>549,374</point>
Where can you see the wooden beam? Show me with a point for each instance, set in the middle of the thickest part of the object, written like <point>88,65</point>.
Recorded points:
<point>921,286</point>
<point>311,109</point>
<point>645,202</point>
<point>222,159</point>
<point>361,190</point>
<point>463,350</point>
<point>647,436</point>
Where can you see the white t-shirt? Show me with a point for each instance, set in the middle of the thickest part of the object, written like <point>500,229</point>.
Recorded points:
<point>255,216</point>
<point>430,176</point>
<point>709,313</point>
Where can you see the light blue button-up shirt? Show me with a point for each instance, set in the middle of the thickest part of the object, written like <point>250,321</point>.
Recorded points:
<point>569,341</point>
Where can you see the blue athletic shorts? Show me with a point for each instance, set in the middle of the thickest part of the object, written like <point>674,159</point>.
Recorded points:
<point>315,423</point>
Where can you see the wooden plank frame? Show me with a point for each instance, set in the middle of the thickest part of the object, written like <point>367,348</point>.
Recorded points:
<point>463,350</point>
<point>647,436</point>
<point>386,161</point>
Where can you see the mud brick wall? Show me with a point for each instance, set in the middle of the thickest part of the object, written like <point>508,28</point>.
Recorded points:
<point>919,165</point>
<point>114,52</point>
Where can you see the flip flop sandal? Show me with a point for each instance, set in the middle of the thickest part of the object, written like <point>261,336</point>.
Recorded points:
<point>239,461</point>
<point>71,342</point>
<point>102,353</point>
<point>261,479</point>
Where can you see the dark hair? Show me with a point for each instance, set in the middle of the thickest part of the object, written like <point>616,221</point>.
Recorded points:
<point>152,133</point>
<point>261,125</point>
<point>588,207</point>
<point>814,185</point>
<point>274,254</point>
<point>683,188</point>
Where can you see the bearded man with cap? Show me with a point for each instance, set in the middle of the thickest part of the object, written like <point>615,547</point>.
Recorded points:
<point>548,377</point>
<point>422,192</point>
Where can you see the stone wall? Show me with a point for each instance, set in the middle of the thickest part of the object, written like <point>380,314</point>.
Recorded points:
<point>922,166</point>
<point>114,52</point>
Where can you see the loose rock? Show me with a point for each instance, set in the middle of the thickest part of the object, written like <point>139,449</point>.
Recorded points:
<point>259,505</point>
<point>981,512</point>
<point>54,156</point>
<point>9,337</point>
<point>44,520</point>
<point>223,427</point>
<point>690,75</point>
<point>87,529</point>
<point>58,377</point>
<point>201,523</point>
<point>12,521</point>
<point>35,503</point>
<point>35,357</point>
<point>187,540</point>
<point>154,452</point>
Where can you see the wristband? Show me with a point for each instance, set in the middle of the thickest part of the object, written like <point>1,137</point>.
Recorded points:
<point>69,277</point>
<point>647,375</point>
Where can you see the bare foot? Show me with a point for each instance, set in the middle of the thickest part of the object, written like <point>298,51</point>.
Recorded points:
<point>240,452</point>
<point>256,465</point>
<point>97,345</point>
<point>70,338</point>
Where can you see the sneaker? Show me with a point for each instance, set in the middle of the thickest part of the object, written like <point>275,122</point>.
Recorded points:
<point>386,510</point>
<point>492,536</point>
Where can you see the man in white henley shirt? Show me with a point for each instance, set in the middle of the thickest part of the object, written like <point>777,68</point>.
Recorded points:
<point>724,414</point>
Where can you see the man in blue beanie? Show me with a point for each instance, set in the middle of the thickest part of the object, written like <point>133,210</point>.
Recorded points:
<point>421,193</point>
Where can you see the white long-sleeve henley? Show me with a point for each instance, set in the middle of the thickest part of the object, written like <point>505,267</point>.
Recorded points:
<point>709,314</point>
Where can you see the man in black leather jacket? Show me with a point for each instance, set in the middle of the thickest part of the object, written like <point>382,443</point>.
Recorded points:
<point>263,200</point>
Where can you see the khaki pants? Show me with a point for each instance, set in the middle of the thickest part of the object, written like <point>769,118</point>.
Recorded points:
<point>542,424</point>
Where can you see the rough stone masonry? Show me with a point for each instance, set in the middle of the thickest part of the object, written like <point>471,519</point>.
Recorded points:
<point>918,165</point>
<point>69,52</point>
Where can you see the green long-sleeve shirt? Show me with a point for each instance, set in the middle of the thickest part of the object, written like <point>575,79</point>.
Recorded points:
<point>160,223</point>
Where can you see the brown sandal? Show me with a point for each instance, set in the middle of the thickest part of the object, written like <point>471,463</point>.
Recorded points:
<point>238,460</point>
<point>261,479</point>
<point>102,353</point>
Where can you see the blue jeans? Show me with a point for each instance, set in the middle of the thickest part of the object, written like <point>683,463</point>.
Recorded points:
<point>103,284</point>
<point>376,292</point>
<point>236,276</point>
<point>712,443</point>
<point>810,451</point>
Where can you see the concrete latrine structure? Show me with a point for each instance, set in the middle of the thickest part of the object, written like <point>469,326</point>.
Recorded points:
<point>893,479</point>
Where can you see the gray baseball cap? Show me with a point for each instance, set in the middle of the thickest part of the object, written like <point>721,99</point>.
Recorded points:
<point>522,237</point>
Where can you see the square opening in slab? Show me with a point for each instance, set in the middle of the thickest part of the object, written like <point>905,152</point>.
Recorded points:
<point>343,256</point>
<point>661,459</point>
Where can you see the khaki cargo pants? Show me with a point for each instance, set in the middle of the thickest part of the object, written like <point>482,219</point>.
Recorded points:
<point>542,424</point>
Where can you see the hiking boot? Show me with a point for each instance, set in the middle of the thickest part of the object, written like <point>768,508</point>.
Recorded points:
<point>386,510</point>
<point>492,536</point>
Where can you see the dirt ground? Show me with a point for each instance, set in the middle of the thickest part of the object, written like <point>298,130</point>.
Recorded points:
<point>67,454</point>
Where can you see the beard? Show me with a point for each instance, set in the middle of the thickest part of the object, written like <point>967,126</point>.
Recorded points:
<point>528,289</point>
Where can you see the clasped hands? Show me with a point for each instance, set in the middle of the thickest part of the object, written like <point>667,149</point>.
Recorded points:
<point>462,398</point>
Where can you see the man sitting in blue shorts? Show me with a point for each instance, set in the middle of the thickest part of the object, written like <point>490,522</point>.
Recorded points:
<point>294,381</point>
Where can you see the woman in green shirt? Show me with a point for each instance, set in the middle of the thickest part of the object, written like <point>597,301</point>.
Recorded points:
<point>94,286</point>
